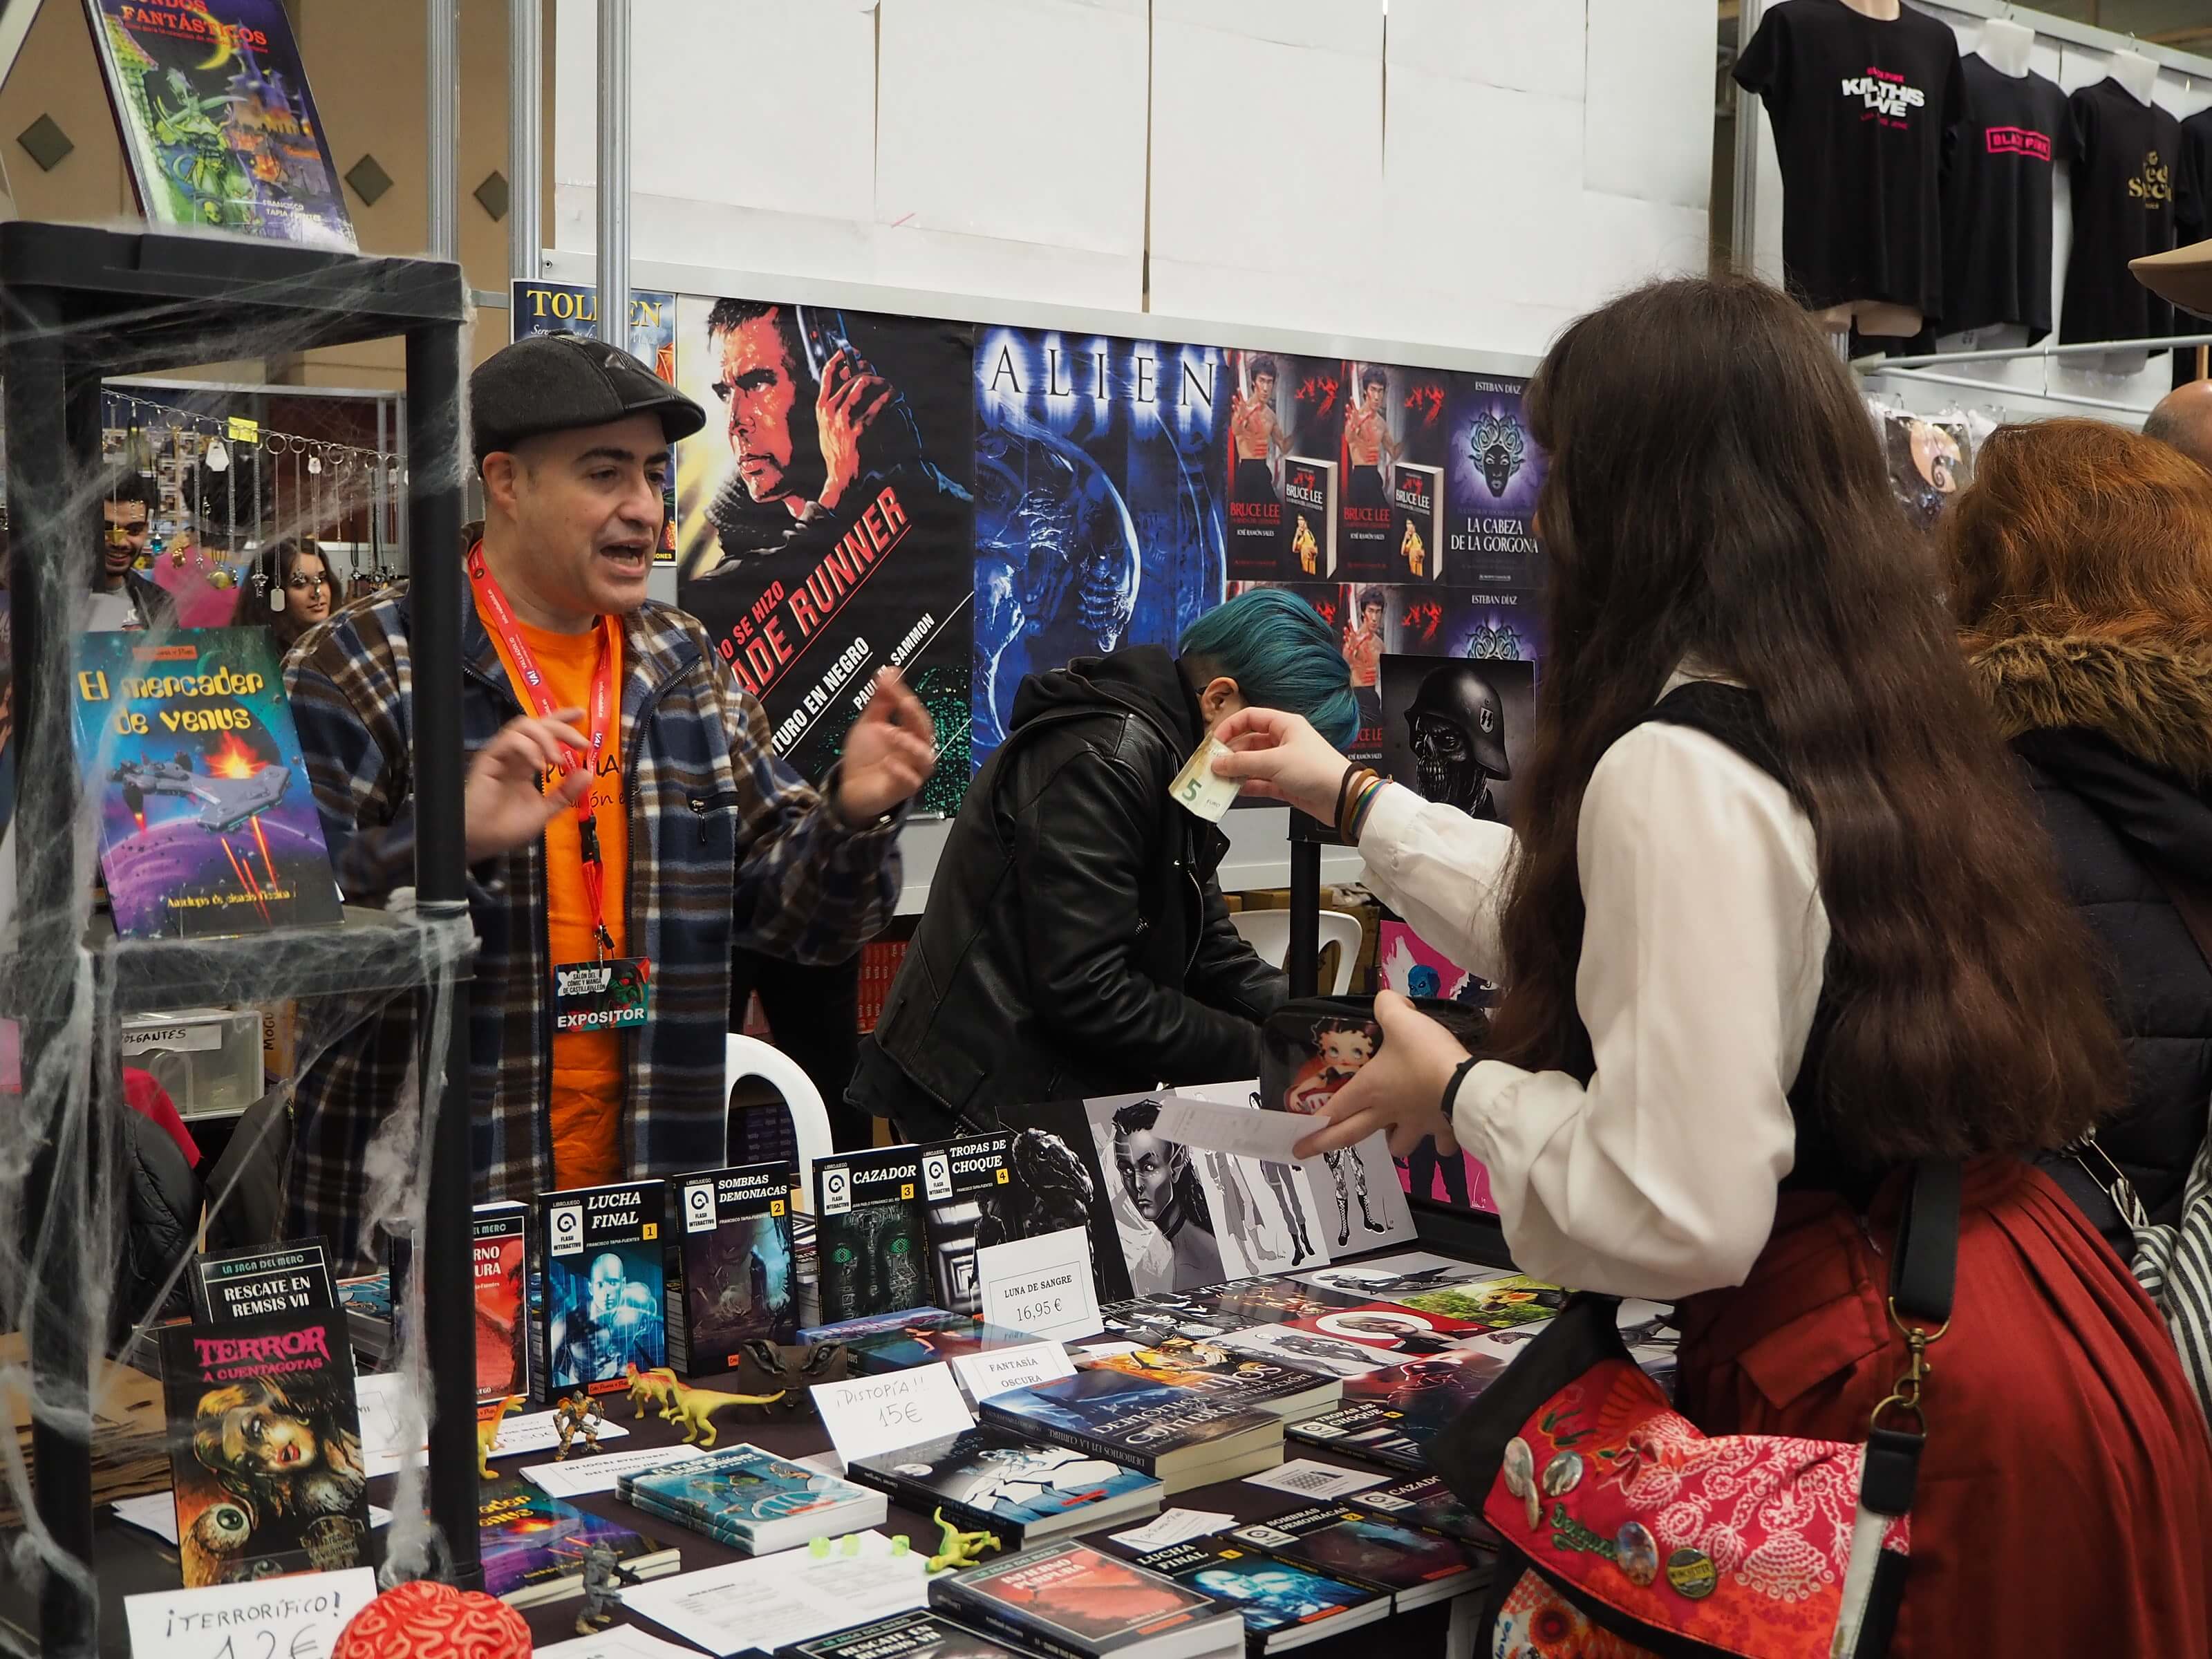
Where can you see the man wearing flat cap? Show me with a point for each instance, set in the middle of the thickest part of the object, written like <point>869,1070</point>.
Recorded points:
<point>627,818</point>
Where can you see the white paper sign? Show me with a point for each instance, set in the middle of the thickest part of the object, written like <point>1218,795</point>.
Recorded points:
<point>598,1471</point>
<point>1308,1478</point>
<point>1007,1369</point>
<point>387,1417</point>
<point>1040,1285</point>
<point>767,1602</point>
<point>1174,1527</point>
<point>1240,1129</point>
<point>299,1615</point>
<point>865,1415</point>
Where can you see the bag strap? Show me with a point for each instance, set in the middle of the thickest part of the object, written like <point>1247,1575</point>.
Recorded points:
<point>1923,1274</point>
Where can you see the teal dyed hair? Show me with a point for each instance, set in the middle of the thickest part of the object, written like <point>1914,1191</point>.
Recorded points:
<point>1282,655</point>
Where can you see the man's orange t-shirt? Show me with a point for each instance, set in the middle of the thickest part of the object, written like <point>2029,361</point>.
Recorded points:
<point>588,1066</point>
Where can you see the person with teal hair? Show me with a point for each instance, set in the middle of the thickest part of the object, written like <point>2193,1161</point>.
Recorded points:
<point>1075,940</point>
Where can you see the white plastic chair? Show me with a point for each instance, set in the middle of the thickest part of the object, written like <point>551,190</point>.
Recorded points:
<point>1268,933</point>
<point>746,1057</point>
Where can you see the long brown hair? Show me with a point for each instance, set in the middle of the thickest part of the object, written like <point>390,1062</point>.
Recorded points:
<point>2079,528</point>
<point>1716,495</point>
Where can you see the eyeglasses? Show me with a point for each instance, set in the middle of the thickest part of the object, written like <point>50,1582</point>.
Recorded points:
<point>300,584</point>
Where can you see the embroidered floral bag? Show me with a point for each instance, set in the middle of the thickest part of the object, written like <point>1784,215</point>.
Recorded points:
<point>1629,1531</point>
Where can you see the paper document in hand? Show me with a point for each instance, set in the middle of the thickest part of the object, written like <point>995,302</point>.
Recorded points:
<point>1238,1130</point>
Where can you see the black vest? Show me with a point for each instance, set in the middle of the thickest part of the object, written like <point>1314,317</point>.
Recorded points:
<point>1731,714</point>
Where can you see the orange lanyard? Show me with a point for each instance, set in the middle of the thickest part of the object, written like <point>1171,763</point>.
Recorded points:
<point>493,601</point>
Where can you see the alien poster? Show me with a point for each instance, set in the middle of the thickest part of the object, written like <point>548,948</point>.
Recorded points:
<point>1098,521</point>
<point>1454,729</point>
<point>1493,473</point>
<point>823,516</point>
<point>1390,483</point>
<point>218,124</point>
<point>207,826</point>
<point>265,1448</point>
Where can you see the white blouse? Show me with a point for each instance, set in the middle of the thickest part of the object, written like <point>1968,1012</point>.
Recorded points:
<point>1701,964</point>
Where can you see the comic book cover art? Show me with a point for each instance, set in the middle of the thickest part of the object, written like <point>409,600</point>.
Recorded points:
<point>1272,1595</point>
<point>1392,1416</point>
<point>1391,451</point>
<point>824,515</point>
<point>1453,730</point>
<point>1023,1490</point>
<point>265,1448</point>
<point>1390,1329</point>
<point>539,307</point>
<point>1435,1173</point>
<point>1172,1204</point>
<point>1079,1599</point>
<point>1344,1539</point>
<point>1098,521</point>
<point>739,1282</point>
<point>958,1179</point>
<point>1487,1303</point>
<point>1054,1181</point>
<point>1305,1057</point>
<point>872,1238</point>
<point>1263,1382</point>
<point>207,826</point>
<point>218,124</point>
<point>532,1545</point>
<point>1493,473</point>
<point>605,1286</point>
<point>499,1267</point>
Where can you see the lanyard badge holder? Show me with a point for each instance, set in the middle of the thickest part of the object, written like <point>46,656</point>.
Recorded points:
<point>608,992</point>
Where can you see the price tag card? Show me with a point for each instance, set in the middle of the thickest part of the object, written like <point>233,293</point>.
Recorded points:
<point>1040,1285</point>
<point>296,1618</point>
<point>865,1415</point>
<point>1002,1370</point>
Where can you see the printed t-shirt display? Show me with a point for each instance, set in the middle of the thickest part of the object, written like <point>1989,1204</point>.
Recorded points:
<point>2192,204</point>
<point>588,1066</point>
<point>1997,201</point>
<point>2125,157</point>
<point>1859,108</point>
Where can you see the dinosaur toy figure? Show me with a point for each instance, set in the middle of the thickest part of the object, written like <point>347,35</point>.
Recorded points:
<point>695,1407</point>
<point>656,1387</point>
<point>961,1548</point>
<point>488,1435</point>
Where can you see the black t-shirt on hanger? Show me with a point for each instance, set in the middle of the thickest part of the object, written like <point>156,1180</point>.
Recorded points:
<point>2126,155</point>
<point>1860,109</point>
<point>2193,203</point>
<point>1997,201</point>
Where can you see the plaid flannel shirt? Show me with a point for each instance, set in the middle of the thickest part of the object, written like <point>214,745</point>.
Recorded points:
<point>728,845</point>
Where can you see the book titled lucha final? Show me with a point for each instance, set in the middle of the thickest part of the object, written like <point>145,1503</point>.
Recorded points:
<point>265,1448</point>
<point>601,1287</point>
<point>207,826</point>
<point>872,1237</point>
<point>733,1236</point>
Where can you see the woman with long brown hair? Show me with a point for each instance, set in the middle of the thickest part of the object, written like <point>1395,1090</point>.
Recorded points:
<point>2080,562</point>
<point>297,588</point>
<point>1776,921</point>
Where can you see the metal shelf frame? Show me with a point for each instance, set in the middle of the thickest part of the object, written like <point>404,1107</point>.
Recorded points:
<point>79,305</point>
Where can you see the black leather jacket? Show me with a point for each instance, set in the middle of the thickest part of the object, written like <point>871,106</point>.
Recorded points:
<point>1075,943</point>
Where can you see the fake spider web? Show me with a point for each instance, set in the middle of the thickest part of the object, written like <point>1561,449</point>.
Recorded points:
<point>67,982</point>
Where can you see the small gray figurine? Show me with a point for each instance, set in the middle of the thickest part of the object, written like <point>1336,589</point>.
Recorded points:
<point>604,1578</point>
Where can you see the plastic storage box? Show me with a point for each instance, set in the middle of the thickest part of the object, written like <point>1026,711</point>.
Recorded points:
<point>207,1059</point>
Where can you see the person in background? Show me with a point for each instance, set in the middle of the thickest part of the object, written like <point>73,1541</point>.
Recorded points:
<point>2080,564</point>
<point>813,1014</point>
<point>293,590</point>
<point>123,597</point>
<point>658,837</point>
<point>2183,421</point>
<point>1075,941</point>
<point>1777,922</point>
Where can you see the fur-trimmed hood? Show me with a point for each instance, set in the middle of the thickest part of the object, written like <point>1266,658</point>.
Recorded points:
<point>2152,702</point>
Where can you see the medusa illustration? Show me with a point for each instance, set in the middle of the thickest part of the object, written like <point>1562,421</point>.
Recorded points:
<point>1498,447</point>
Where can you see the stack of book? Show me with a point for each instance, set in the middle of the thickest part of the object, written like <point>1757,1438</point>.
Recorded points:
<point>984,1479</point>
<point>534,1545</point>
<point>1181,1436</point>
<point>1285,1605</point>
<point>753,1501</point>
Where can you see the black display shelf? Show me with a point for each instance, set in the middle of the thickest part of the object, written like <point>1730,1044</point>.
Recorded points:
<point>79,305</point>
